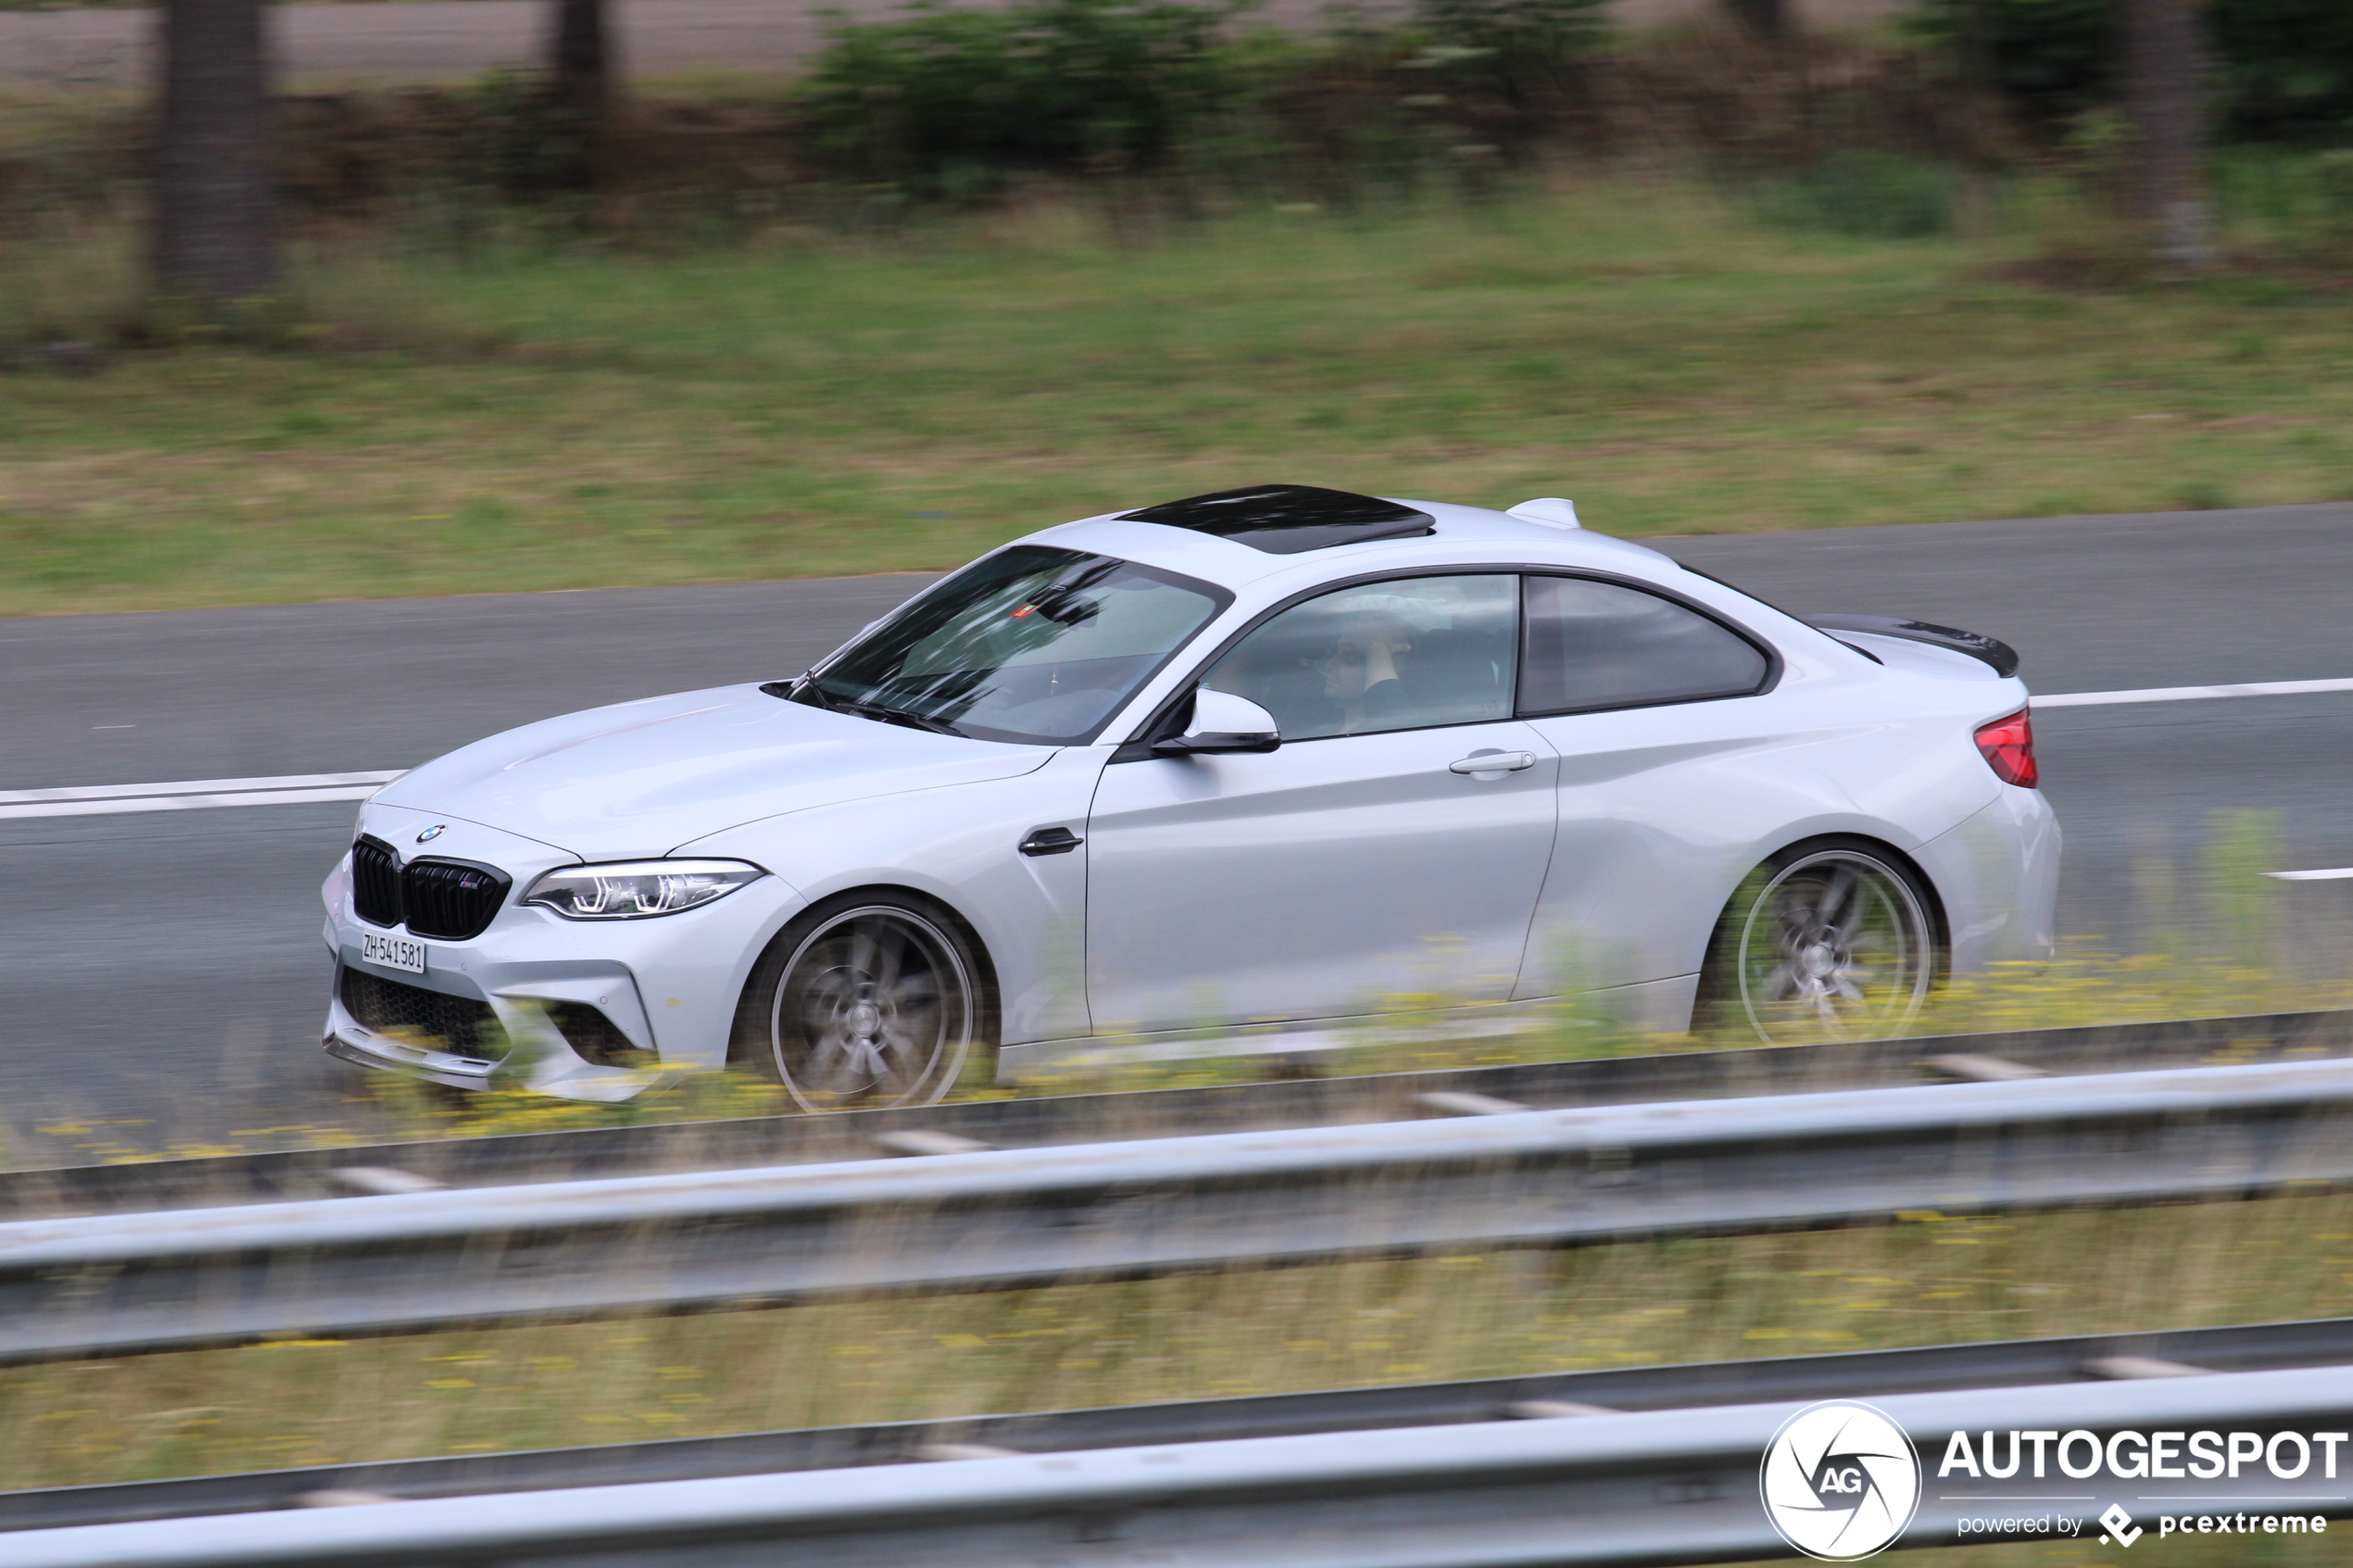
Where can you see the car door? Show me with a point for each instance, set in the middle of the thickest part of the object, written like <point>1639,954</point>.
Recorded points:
<point>1371,862</point>
<point>1662,718</point>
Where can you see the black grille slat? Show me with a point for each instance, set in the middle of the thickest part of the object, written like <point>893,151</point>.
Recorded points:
<point>458,1022</point>
<point>375,881</point>
<point>448,900</point>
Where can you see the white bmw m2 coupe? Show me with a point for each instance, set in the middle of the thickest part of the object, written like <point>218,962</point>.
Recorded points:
<point>1258,765</point>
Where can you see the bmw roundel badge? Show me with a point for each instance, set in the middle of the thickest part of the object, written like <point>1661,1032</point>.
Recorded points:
<point>432,833</point>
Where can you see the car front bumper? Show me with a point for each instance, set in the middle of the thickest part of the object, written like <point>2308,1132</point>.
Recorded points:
<point>578,1009</point>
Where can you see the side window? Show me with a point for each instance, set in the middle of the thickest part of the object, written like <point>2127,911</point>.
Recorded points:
<point>1600,644</point>
<point>1402,655</point>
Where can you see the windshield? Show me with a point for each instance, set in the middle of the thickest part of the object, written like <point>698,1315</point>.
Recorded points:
<point>1030,644</point>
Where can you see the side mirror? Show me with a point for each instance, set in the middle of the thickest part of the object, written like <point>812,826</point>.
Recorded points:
<point>1223,722</point>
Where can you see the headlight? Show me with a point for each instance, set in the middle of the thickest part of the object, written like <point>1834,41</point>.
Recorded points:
<point>635,889</point>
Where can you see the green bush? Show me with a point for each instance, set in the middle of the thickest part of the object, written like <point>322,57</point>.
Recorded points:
<point>1523,50</point>
<point>2287,69</point>
<point>2283,68</point>
<point>2299,204</point>
<point>516,140</point>
<point>2053,58</point>
<point>1876,195</point>
<point>952,101</point>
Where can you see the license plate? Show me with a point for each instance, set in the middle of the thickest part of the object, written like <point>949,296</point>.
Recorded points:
<point>393,952</point>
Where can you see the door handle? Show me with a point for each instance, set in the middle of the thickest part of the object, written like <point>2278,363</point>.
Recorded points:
<point>1494,762</point>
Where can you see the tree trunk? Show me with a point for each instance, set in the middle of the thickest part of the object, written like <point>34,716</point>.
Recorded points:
<point>2165,95</point>
<point>1767,19</point>
<point>214,233</point>
<point>580,77</point>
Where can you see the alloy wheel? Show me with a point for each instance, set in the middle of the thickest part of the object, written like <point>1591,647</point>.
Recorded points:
<point>1835,945</point>
<point>874,1008</point>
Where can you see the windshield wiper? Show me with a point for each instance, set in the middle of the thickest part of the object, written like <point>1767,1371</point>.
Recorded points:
<point>816,696</point>
<point>894,716</point>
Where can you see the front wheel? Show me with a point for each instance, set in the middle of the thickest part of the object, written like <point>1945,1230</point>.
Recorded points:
<point>1826,940</point>
<point>872,1001</point>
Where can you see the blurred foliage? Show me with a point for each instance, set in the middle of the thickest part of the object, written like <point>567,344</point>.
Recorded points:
<point>514,137</point>
<point>2283,68</point>
<point>2244,922</point>
<point>1168,102</point>
<point>956,103</point>
<point>952,100</point>
<point>2286,68</point>
<point>2301,203</point>
<point>1867,195</point>
<point>2053,58</point>
<point>1527,50</point>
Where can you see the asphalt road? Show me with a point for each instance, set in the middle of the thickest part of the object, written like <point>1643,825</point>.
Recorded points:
<point>441,40</point>
<point>163,976</point>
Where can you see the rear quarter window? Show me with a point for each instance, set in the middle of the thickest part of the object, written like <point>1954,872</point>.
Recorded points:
<point>1592,644</point>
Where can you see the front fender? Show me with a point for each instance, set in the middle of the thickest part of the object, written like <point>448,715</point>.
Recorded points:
<point>959,846</point>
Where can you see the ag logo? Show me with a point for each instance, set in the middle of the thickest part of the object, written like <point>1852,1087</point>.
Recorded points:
<point>433,833</point>
<point>1840,1481</point>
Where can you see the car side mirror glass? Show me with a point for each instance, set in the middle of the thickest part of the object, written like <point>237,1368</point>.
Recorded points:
<point>1223,722</point>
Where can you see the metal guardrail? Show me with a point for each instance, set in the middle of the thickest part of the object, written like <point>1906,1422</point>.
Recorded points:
<point>766,1140</point>
<point>1610,1492</point>
<point>1432,1407</point>
<point>115,1283</point>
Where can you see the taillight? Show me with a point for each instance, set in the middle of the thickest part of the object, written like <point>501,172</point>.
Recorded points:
<point>2007,745</point>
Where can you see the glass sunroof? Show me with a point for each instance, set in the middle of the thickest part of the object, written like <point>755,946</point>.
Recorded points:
<point>1285,519</point>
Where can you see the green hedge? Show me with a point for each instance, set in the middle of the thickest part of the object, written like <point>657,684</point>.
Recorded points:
<point>951,100</point>
<point>944,96</point>
<point>2283,69</point>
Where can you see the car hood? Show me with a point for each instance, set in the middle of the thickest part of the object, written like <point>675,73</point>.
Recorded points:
<point>641,778</point>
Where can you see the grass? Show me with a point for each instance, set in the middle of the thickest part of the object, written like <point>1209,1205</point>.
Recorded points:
<point>1927,1280</point>
<point>806,404</point>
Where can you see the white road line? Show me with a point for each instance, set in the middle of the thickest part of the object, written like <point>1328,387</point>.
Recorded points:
<point>2190,694</point>
<point>2341,873</point>
<point>98,800</point>
<point>186,802</point>
<point>194,786</point>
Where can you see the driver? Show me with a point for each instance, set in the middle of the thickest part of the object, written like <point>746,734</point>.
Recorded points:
<point>1361,672</point>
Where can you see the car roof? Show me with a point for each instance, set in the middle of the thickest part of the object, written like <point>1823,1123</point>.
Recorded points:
<point>1476,532</point>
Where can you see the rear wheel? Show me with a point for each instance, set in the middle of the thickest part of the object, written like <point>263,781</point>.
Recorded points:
<point>1831,939</point>
<point>873,1000</point>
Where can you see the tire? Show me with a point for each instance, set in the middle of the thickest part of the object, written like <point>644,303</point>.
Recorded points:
<point>1829,939</point>
<point>869,1001</point>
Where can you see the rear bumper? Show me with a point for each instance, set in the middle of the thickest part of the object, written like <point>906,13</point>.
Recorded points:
<point>1998,873</point>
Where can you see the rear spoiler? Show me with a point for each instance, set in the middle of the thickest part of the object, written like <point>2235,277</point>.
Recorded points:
<point>1989,650</point>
